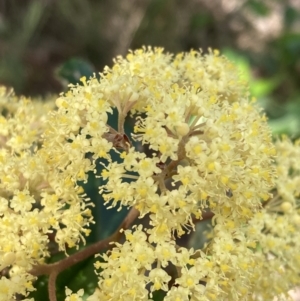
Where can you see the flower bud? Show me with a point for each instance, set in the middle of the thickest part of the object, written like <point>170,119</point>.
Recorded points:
<point>8,259</point>
<point>286,207</point>
<point>182,129</point>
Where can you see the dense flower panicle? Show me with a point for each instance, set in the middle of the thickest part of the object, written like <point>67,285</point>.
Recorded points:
<point>276,228</point>
<point>208,149</point>
<point>23,231</point>
<point>197,146</point>
<point>33,196</point>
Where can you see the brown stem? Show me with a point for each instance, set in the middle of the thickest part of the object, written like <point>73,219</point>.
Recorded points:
<point>52,286</point>
<point>59,266</point>
<point>171,166</point>
<point>54,269</point>
<point>196,133</point>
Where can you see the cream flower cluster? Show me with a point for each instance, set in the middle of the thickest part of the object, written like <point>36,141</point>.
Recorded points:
<point>23,230</point>
<point>276,228</point>
<point>208,150</point>
<point>193,145</point>
<point>33,204</point>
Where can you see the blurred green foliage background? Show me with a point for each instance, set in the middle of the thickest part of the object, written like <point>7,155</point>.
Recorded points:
<point>45,44</point>
<point>38,37</point>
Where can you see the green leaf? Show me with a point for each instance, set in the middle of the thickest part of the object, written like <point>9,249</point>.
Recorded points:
<point>159,295</point>
<point>81,275</point>
<point>72,70</point>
